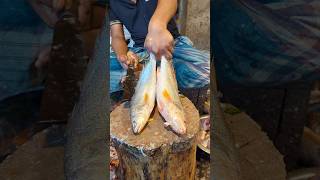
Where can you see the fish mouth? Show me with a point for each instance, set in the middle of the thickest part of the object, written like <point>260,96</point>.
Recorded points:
<point>182,130</point>
<point>139,124</point>
<point>137,128</point>
<point>179,125</point>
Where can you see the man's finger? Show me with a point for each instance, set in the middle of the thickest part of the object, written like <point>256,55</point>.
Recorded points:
<point>172,43</point>
<point>129,61</point>
<point>133,58</point>
<point>171,49</point>
<point>122,58</point>
<point>132,55</point>
<point>158,56</point>
<point>156,52</point>
<point>147,44</point>
<point>168,55</point>
<point>136,63</point>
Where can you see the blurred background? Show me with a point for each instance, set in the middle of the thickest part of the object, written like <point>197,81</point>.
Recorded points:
<point>46,48</point>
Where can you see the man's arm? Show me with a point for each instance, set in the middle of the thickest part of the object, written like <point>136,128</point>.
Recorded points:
<point>164,12</point>
<point>159,40</point>
<point>118,43</point>
<point>120,46</point>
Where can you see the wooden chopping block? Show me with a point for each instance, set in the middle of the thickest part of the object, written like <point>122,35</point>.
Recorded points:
<point>157,152</point>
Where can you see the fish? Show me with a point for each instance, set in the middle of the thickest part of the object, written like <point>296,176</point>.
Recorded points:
<point>143,100</point>
<point>168,99</point>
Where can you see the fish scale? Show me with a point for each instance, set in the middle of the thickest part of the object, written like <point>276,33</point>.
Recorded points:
<point>143,100</point>
<point>168,98</point>
<point>157,83</point>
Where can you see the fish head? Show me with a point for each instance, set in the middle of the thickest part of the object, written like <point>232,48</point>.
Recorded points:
<point>176,119</point>
<point>139,119</point>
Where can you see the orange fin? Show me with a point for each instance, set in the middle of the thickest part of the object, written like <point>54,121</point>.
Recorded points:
<point>146,97</point>
<point>166,95</point>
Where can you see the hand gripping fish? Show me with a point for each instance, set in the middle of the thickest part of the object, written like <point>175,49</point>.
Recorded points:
<point>168,99</point>
<point>143,100</point>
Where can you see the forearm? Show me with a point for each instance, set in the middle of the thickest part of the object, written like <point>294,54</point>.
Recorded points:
<point>119,46</point>
<point>164,12</point>
<point>118,41</point>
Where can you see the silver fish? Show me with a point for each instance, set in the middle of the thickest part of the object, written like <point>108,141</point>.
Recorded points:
<point>168,99</point>
<point>143,100</point>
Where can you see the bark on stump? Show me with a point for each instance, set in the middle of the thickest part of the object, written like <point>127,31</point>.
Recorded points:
<point>157,152</point>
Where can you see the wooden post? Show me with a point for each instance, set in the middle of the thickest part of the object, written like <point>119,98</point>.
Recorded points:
<point>224,156</point>
<point>66,71</point>
<point>86,150</point>
<point>157,152</point>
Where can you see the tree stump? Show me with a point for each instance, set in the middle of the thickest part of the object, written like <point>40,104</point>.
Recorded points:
<point>157,152</point>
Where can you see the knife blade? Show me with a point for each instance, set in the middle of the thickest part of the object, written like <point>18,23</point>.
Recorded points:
<point>129,83</point>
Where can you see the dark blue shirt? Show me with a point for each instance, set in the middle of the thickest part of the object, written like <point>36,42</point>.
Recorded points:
<point>136,17</point>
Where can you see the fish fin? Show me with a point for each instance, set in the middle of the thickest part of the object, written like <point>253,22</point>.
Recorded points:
<point>166,124</point>
<point>146,97</point>
<point>166,95</point>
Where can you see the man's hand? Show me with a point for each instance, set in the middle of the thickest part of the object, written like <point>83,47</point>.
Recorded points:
<point>133,58</point>
<point>159,41</point>
<point>120,47</point>
<point>129,58</point>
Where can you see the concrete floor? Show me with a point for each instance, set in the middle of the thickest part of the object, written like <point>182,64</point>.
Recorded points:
<point>258,157</point>
<point>34,161</point>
